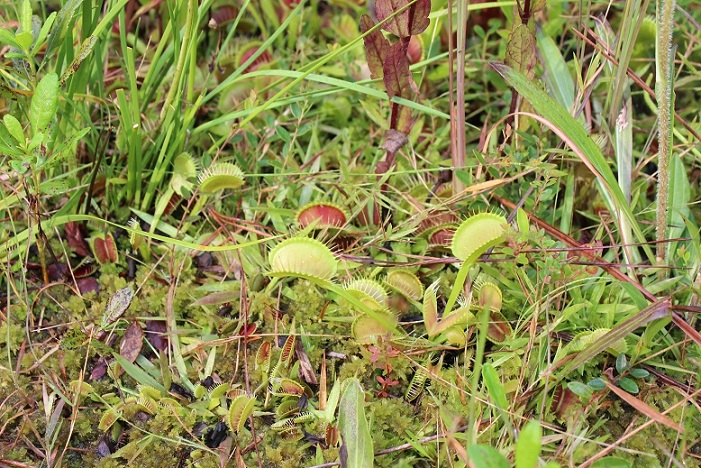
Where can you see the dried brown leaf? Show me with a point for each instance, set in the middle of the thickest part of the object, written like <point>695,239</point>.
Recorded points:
<point>306,370</point>
<point>218,298</point>
<point>394,141</point>
<point>411,21</point>
<point>132,341</point>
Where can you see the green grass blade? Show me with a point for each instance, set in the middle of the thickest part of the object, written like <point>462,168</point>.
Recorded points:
<point>529,445</point>
<point>354,428</point>
<point>557,75</point>
<point>559,120</point>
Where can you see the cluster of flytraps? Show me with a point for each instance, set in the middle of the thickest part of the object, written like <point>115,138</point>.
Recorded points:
<point>310,259</point>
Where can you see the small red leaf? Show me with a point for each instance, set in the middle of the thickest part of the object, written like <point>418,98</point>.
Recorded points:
<point>411,21</point>
<point>99,370</point>
<point>376,47</point>
<point>100,251</point>
<point>86,285</point>
<point>397,77</point>
<point>263,58</point>
<point>156,334</point>
<point>76,240</point>
<point>248,329</point>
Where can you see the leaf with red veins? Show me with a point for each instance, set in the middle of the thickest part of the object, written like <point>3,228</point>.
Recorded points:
<point>398,79</point>
<point>376,47</point>
<point>520,50</point>
<point>411,21</point>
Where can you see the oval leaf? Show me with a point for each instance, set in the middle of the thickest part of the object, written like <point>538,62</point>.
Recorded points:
<point>44,103</point>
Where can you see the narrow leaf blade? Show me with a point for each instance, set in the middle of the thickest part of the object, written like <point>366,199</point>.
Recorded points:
<point>357,449</point>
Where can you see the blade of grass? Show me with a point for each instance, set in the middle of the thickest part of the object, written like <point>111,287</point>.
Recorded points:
<point>654,311</point>
<point>13,247</point>
<point>558,119</point>
<point>341,85</point>
<point>357,449</point>
<point>664,90</point>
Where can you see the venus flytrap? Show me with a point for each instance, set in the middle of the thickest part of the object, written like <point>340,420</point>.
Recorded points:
<point>474,237</point>
<point>303,257</point>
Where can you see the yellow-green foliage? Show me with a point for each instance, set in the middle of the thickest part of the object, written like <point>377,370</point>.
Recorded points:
<point>13,339</point>
<point>660,399</point>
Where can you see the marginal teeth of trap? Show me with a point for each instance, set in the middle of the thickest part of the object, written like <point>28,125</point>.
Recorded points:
<point>219,177</point>
<point>370,287</point>
<point>477,234</point>
<point>302,256</point>
<point>405,283</point>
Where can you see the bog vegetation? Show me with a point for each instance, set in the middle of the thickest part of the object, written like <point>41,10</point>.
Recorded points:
<point>348,232</point>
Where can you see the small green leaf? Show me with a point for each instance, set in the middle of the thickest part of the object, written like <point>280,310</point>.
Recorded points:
<point>464,177</point>
<point>494,386</point>
<point>522,220</point>
<point>43,32</point>
<point>67,148</point>
<point>579,389</point>
<point>283,134</point>
<point>7,37</point>
<point>25,16</point>
<point>611,462</point>
<point>332,401</point>
<point>597,384</point>
<point>18,166</point>
<point>14,127</point>
<point>44,102</point>
<point>64,22</point>
<point>54,187</point>
<point>484,456</point>
<point>36,140</point>
<point>621,363</point>
<point>24,39</point>
<point>357,451</point>
<point>628,385</point>
<point>529,445</point>
<point>637,373</point>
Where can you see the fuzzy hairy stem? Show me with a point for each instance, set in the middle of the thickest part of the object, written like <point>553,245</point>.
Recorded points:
<point>665,106</point>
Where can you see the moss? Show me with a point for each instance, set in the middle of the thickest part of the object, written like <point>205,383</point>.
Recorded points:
<point>392,417</point>
<point>11,338</point>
